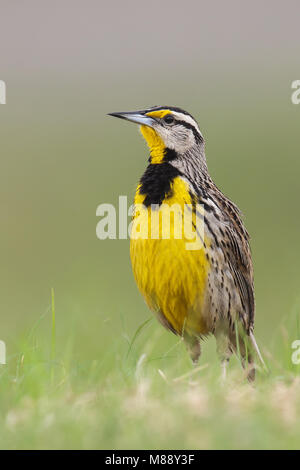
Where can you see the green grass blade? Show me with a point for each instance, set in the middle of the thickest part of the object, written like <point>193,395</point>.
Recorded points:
<point>53,334</point>
<point>136,334</point>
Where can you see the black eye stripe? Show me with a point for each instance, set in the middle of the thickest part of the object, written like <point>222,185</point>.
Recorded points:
<point>197,135</point>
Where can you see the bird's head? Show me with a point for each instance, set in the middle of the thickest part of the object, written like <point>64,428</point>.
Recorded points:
<point>169,132</point>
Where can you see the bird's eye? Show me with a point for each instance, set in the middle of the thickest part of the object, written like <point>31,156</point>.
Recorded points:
<point>168,119</point>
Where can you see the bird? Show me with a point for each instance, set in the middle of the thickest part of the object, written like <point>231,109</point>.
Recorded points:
<point>207,290</point>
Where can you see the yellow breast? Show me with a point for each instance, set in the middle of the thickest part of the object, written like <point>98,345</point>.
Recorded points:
<point>171,277</point>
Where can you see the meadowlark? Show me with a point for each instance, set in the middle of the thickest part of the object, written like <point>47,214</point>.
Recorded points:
<point>193,292</point>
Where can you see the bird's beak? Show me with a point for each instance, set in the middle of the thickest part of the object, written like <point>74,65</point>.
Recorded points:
<point>139,117</point>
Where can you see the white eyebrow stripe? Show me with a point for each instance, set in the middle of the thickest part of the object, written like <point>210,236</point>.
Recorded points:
<point>188,119</point>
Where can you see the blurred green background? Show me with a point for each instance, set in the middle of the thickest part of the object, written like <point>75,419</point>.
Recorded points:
<point>66,64</point>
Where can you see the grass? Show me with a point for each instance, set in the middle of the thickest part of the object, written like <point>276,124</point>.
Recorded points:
<point>144,393</point>
<point>53,336</point>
